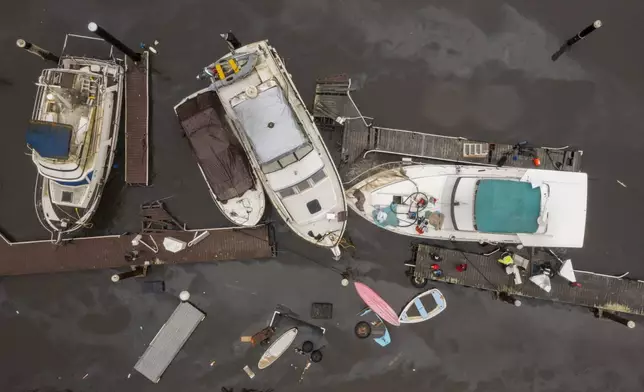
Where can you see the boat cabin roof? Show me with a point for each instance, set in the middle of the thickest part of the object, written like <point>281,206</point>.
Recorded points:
<point>50,140</point>
<point>270,125</point>
<point>505,206</point>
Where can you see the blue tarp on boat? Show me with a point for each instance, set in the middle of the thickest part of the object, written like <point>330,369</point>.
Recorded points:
<point>503,206</point>
<point>50,140</point>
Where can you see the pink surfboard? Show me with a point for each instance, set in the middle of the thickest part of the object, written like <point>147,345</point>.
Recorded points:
<point>377,304</point>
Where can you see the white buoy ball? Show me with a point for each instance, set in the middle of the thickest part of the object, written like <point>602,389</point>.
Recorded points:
<point>345,282</point>
<point>184,295</point>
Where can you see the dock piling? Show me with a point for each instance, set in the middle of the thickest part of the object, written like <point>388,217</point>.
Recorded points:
<point>37,50</point>
<point>576,38</point>
<point>614,317</point>
<point>136,272</point>
<point>109,38</point>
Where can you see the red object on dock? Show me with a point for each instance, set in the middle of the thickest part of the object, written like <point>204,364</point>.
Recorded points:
<point>536,161</point>
<point>461,267</point>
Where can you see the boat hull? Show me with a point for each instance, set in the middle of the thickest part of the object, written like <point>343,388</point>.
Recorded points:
<point>383,198</point>
<point>428,305</point>
<point>62,220</point>
<point>324,227</point>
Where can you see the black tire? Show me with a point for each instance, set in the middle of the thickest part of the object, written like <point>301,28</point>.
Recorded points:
<point>307,346</point>
<point>362,330</point>
<point>316,356</point>
<point>418,282</point>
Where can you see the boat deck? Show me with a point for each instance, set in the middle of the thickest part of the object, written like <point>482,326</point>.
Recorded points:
<point>35,257</point>
<point>137,107</point>
<point>360,138</point>
<point>486,273</point>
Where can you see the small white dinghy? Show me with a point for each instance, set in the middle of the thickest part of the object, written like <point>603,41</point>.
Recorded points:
<point>279,346</point>
<point>417,311</point>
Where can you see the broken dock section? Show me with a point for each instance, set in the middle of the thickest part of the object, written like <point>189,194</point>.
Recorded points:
<point>91,253</point>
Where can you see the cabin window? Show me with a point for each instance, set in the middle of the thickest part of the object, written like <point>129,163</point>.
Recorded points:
<point>314,206</point>
<point>304,185</point>
<point>318,176</point>
<point>286,192</point>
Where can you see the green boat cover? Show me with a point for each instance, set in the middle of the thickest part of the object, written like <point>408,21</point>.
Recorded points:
<point>503,206</point>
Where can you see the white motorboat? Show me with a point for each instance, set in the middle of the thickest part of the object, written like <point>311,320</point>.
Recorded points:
<point>221,159</point>
<point>284,146</point>
<point>473,203</point>
<point>72,137</point>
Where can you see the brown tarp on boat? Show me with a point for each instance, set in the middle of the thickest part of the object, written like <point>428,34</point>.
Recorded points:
<point>216,148</point>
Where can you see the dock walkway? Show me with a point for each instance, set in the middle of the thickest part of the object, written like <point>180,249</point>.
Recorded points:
<point>137,111</point>
<point>335,109</point>
<point>486,273</point>
<point>36,257</point>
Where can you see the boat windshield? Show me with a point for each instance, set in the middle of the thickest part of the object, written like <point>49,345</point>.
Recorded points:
<point>505,206</point>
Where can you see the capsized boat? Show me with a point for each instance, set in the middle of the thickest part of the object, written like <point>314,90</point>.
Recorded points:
<point>473,203</point>
<point>221,159</point>
<point>73,136</point>
<point>284,146</point>
<point>423,307</point>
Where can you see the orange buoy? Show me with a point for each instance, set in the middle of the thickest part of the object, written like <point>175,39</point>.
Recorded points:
<point>536,161</point>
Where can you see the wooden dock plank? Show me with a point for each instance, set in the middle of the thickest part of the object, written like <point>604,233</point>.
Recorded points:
<point>109,252</point>
<point>484,272</point>
<point>137,121</point>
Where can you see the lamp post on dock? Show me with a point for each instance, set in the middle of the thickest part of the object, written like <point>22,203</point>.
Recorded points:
<point>37,50</point>
<point>109,38</point>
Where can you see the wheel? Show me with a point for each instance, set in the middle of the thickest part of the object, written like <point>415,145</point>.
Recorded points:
<point>418,282</point>
<point>307,346</point>
<point>362,330</point>
<point>316,356</point>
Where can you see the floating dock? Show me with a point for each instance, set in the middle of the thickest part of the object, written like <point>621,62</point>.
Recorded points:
<point>597,291</point>
<point>334,109</point>
<point>137,112</point>
<point>91,253</point>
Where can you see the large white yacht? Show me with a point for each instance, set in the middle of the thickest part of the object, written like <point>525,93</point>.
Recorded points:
<point>473,203</point>
<point>72,137</point>
<point>284,146</point>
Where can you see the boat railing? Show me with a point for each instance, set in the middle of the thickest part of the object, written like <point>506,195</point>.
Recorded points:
<point>373,170</point>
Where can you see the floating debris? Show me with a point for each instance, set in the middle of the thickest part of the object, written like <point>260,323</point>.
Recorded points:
<point>621,183</point>
<point>17,312</point>
<point>85,376</point>
<point>129,375</point>
<point>213,363</point>
<point>250,373</point>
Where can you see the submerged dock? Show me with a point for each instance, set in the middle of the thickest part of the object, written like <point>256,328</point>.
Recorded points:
<point>92,253</point>
<point>335,110</point>
<point>137,113</point>
<point>597,291</point>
